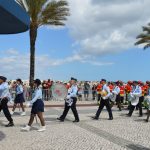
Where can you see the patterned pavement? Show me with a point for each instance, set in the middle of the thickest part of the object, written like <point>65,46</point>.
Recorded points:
<point>122,133</point>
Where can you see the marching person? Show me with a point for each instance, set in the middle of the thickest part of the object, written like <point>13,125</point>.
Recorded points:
<point>37,107</point>
<point>86,90</point>
<point>4,98</point>
<point>148,111</point>
<point>105,93</point>
<point>141,98</point>
<point>116,91</point>
<point>19,99</point>
<point>111,86</point>
<point>71,101</point>
<point>136,92</point>
<point>122,92</point>
<point>128,89</point>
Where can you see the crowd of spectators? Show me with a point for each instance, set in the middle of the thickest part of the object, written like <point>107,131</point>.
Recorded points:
<point>87,90</point>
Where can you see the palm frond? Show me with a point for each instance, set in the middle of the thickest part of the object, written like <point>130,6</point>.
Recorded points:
<point>141,41</point>
<point>146,29</point>
<point>55,13</point>
<point>144,38</point>
<point>147,46</point>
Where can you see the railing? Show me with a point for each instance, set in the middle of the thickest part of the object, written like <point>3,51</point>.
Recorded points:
<point>47,94</point>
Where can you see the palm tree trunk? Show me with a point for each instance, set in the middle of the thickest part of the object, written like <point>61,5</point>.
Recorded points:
<point>33,35</point>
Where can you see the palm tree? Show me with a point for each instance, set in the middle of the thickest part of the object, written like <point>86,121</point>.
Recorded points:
<point>144,38</point>
<point>43,12</point>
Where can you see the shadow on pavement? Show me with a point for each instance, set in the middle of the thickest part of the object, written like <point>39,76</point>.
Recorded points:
<point>137,147</point>
<point>50,119</point>
<point>140,120</point>
<point>2,136</point>
<point>54,119</point>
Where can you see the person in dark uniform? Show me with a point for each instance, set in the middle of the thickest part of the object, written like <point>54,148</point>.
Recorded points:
<point>105,101</point>
<point>19,99</point>
<point>4,98</point>
<point>71,101</point>
<point>37,107</point>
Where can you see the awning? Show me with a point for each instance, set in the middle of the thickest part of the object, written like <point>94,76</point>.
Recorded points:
<point>13,18</point>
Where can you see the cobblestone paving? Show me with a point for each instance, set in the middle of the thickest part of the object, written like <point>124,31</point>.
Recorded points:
<point>122,133</point>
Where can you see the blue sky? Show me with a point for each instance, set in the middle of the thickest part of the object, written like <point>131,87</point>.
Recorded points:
<point>87,52</point>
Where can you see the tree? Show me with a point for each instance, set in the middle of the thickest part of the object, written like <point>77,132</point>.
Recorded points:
<point>144,38</point>
<point>43,12</point>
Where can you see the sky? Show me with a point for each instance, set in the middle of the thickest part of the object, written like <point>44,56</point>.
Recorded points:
<point>97,42</point>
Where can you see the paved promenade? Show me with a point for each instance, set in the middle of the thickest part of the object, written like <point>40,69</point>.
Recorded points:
<point>122,133</point>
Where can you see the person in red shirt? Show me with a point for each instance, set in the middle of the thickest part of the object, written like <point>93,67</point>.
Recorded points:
<point>111,86</point>
<point>128,89</point>
<point>146,87</point>
<point>122,91</point>
<point>45,90</point>
<point>99,88</point>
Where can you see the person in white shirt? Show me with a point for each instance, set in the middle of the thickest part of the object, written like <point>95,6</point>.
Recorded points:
<point>19,99</point>
<point>105,101</point>
<point>71,101</point>
<point>116,91</point>
<point>37,107</point>
<point>136,93</point>
<point>4,98</point>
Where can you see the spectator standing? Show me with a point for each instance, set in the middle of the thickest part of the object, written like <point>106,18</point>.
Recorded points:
<point>86,90</point>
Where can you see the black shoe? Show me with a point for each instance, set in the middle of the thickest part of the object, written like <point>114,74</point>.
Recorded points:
<point>10,124</point>
<point>140,115</point>
<point>128,115</point>
<point>146,120</point>
<point>75,121</point>
<point>61,120</point>
<point>111,118</point>
<point>94,118</point>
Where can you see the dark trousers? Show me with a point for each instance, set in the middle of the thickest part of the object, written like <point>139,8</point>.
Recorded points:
<point>118,101</point>
<point>98,97</point>
<point>73,108</point>
<point>93,94</point>
<point>101,106</point>
<point>141,99</point>
<point>122,99</point>
<point>139,106</point>
<point>4,107</point>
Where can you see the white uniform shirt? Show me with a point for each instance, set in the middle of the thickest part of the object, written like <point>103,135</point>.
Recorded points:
<point>4,91</point>
<point>137,91</point>
<point>116,90</point>
<point>72,91</point>
<point>148,91</point>
<point>19,89</point>
<point>36,95</point>
<point>135,94</point>
<point>107,89</point>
